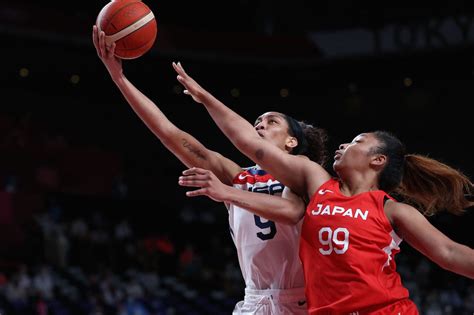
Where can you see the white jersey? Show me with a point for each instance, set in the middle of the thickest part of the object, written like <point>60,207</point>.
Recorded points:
<point>267,250</point>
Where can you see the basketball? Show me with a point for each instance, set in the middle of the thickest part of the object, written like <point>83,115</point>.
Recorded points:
<point>130,24</point>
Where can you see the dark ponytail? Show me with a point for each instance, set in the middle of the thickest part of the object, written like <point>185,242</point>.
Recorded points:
<point>428,184</point>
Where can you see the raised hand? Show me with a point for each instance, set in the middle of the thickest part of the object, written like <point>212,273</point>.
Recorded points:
<point>209,185</point>
<point>106,53</point>
<point>191,87</point>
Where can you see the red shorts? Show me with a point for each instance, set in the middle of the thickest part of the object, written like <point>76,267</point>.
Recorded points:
<point>402,307</point>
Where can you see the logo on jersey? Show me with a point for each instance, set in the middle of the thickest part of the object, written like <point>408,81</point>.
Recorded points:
<point>252,176</point>
<point>323,191</point>
<point>243,176</point>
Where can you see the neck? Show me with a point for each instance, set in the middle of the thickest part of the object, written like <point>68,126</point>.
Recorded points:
<point>357,184</point>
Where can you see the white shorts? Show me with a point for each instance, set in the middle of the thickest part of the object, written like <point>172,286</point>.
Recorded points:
<point>272,302</point>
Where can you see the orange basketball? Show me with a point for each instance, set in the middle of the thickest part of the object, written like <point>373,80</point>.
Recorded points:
<point>130,24</point>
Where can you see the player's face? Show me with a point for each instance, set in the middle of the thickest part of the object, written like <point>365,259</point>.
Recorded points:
<point>273,127</point>
<point>356,155</point>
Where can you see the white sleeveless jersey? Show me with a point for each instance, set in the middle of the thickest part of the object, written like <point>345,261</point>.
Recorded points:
<point>267,250</point>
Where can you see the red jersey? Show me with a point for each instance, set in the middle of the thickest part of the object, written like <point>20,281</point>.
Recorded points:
<point>347,249</point>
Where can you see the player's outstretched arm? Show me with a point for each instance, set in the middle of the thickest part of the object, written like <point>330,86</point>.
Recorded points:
<point>413,227</point>
<point>289,209</point>
<point>184,146</point>
<point>289,169</point>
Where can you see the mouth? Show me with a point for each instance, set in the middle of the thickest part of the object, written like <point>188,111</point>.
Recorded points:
<point>337,155</point>
<point>260,134</point>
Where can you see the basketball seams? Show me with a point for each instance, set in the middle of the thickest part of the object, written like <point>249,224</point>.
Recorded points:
<point>118,11</point>
<point>133,48</point>
<point>130,29</point>
<point>125,50</point>
<point>141,17</point>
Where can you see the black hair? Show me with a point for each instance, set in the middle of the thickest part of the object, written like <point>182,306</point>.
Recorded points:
<point>312,141</point>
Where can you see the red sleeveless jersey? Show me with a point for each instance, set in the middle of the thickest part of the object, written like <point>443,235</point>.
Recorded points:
<point>347,248</point>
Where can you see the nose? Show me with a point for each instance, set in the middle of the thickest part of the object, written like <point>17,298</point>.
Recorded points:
<point>260,125</point>
<point>342,146</point>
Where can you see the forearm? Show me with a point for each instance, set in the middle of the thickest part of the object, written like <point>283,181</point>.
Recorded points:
<point>415,228</point>
<point>270,207</point>
<point>146,110</point>
<point>460,260</point>
<point>183,145</point>
<point>239,131</point>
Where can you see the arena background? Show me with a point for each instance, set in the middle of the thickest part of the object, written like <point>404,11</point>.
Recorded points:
<point>92,220</point>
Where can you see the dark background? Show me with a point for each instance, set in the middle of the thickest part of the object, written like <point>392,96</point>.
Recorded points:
<point>347,67</point>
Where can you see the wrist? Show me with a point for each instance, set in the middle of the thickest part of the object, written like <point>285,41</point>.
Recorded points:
<point>117,77</point>
<point>227,195</point>
<point>206,97</point>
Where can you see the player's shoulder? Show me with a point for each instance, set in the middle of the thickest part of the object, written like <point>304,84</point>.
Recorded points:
<point>303,157</point>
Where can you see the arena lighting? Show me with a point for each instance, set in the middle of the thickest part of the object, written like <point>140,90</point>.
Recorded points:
<point>407,82</point>
<point>235,92</point>
<point>24,72</point>
<point>177,89</point>
<point>352,87</point>
<point>284,92</point>
<point>75,78</point>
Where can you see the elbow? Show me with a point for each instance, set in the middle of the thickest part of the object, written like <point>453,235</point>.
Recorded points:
<point>447,264</point>
<point>457,259</point>
<point>454,267</point>
<point>292,218</point>
<point>293,221</point>
<point>286,221</point>
<point>444,258</point>
<point>283,217</point>
<point>293,213</point>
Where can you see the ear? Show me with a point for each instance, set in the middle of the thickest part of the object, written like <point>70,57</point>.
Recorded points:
<point>291,142</point>
<point>379,160</point>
